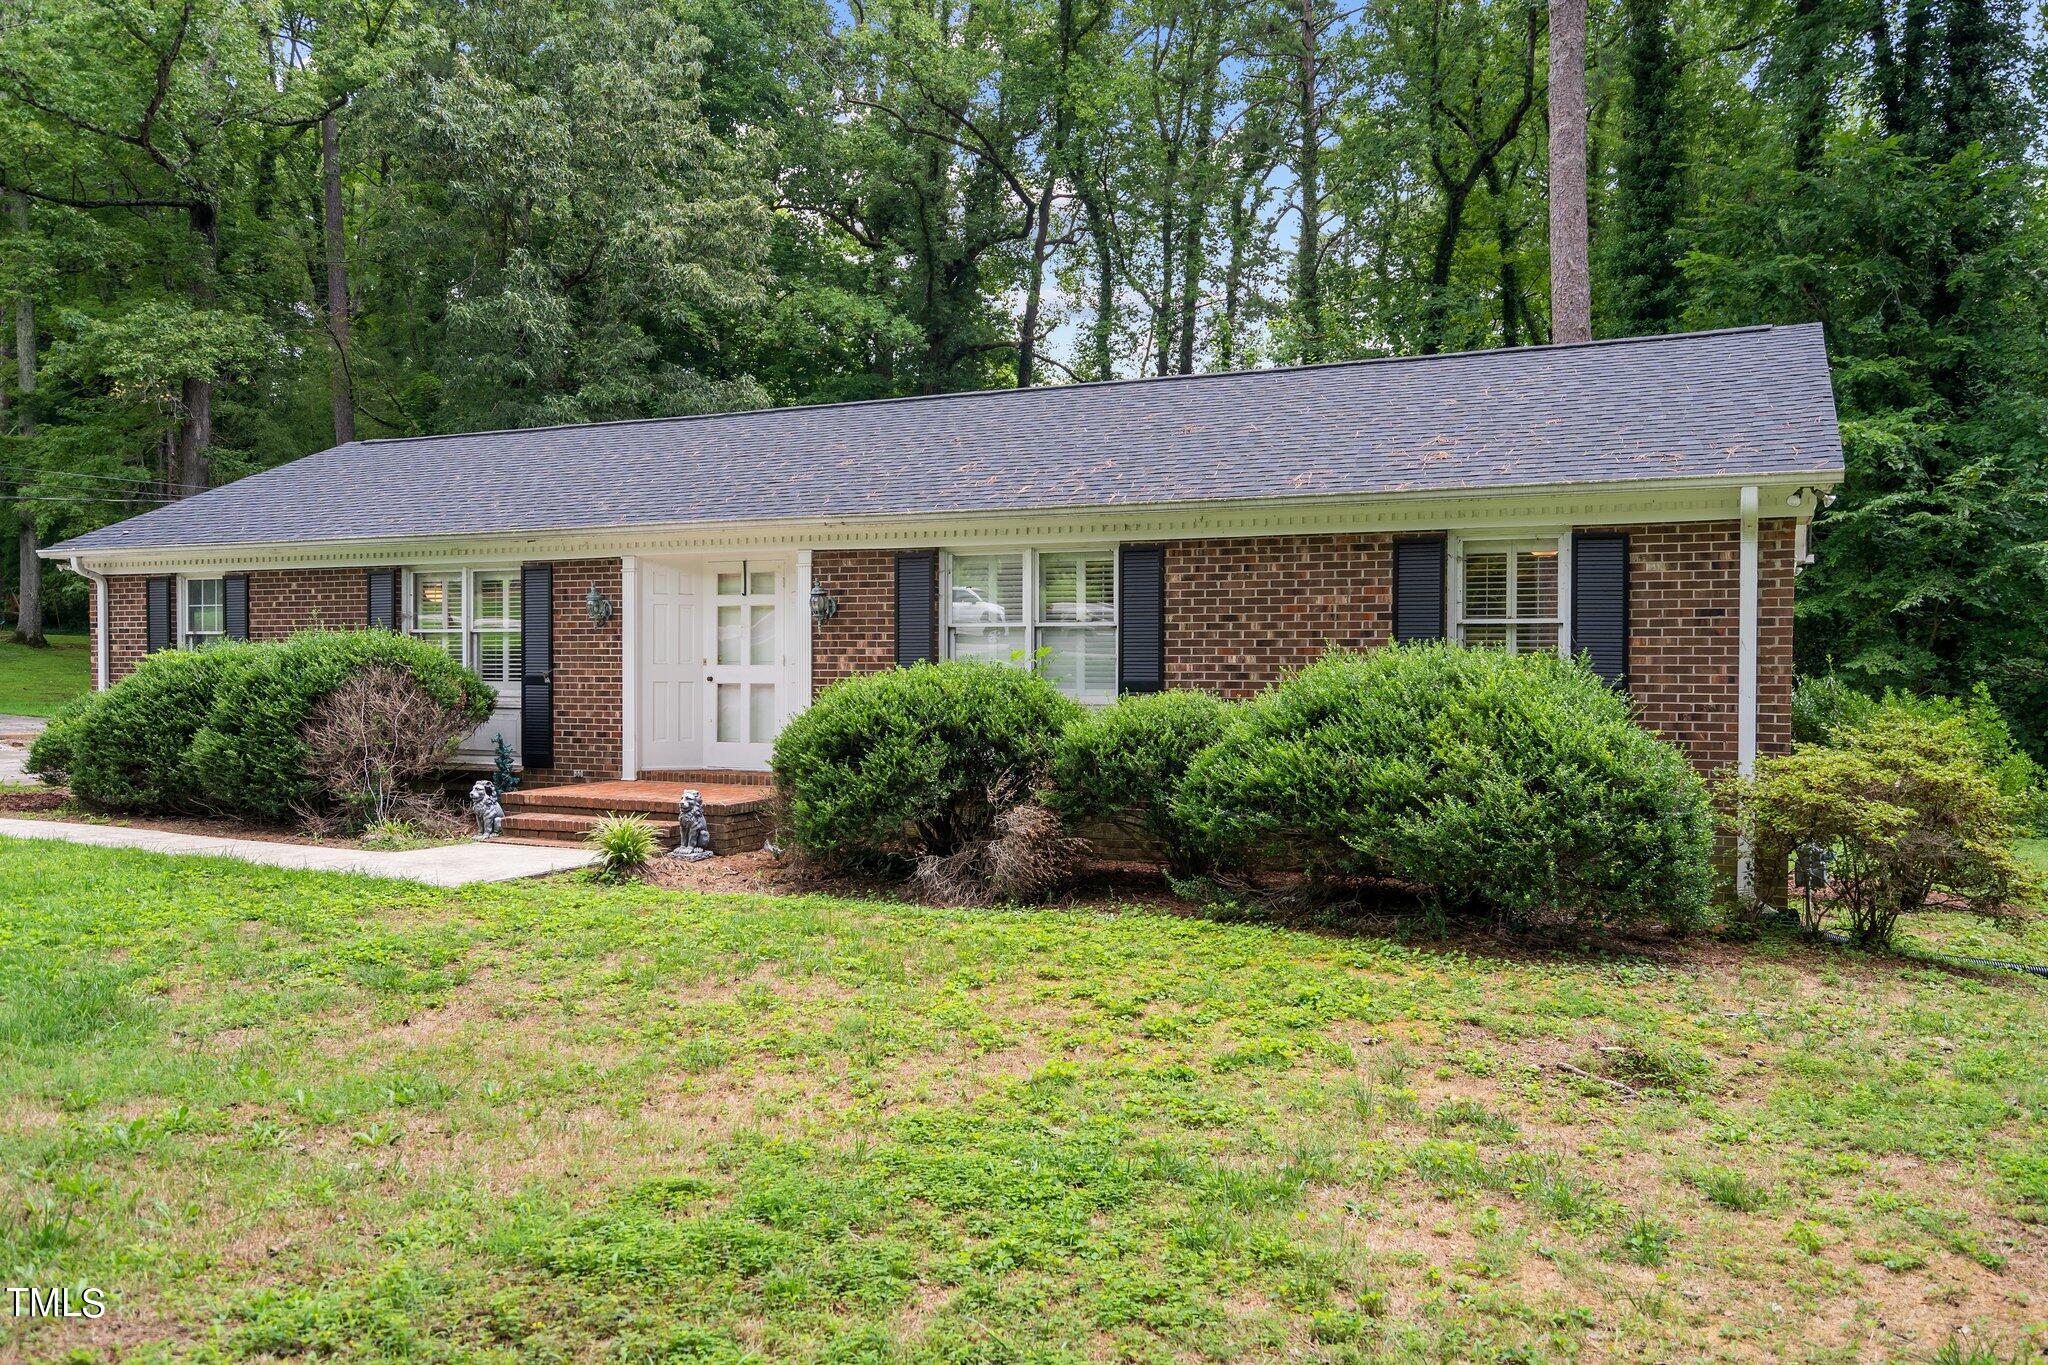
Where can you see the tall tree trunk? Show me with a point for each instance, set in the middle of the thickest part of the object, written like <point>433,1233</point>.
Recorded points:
<point>1511,309</point>
<point>1102,329</point>
<point>28,619</point>
<point>1436,311</point>
<point>340,380</point>
<point>1169,243</point>
<point>1034,285</point>
<point>1193,252</point>
<point>1308,247</point>
<point>1571,277</point>
<point>189,469</point>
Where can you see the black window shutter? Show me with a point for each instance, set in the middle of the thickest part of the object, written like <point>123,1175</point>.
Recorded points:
<point>383,584</point>
<point>1418,588</point>
<point>234,606</point>
<point>163,596</point>
<point>1600,602</point>
<point>1141,641</point>
<point>537,666</point>
<point>917,593</point>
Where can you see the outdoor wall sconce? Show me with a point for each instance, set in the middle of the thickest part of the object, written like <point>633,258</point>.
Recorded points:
<point>824,606</point>
<point>597,606</point>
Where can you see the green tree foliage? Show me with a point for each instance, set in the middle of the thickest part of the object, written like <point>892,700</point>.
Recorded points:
<point>235,232</point>
<point>1642,245</point>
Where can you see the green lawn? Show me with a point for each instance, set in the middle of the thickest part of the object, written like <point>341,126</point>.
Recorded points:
<point>277,1114</point>
<point>35,682</point>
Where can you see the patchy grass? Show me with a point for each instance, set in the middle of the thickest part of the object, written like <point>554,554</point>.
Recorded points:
<point>1968,936</point>
<point>278,1114</point>
<point>35,682</point>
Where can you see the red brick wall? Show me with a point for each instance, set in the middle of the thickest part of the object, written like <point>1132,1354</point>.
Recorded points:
<point>587,673</point>
<point>1242,613</point>
<point>1685,633</point>
<point>128,611</point>
<point>283,601</point>
<point>588,676</point>
<point>862,637</point>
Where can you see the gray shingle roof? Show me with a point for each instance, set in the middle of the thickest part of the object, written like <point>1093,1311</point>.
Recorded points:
<point>1746,402</point>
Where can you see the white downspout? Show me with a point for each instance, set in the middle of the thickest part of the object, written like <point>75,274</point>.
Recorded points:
<point>629,667</point>
<point>1746,668</point>
<point>101,655</point>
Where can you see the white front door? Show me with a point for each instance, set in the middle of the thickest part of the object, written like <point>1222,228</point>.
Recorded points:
<point>743,694</point>
<point>672,660</point>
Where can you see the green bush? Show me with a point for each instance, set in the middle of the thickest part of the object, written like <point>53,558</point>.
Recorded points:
<point>1826,710</point>
<point>218,729</point>
<point>623,843</point>
<point>125,748</point>
<point>887,768</point>
<point>1123,764</point>
<point>1907,810</point>
<point>1520,785</point>
<point>249,756</point>
<point>1825,703</point>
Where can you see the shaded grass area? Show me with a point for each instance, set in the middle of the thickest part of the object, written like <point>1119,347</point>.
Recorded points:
<point>281,1114</point>
<point>35,682</point>
<point>2019,940</point>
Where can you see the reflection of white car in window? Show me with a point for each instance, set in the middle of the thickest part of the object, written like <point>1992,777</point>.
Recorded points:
<point>971,608</point>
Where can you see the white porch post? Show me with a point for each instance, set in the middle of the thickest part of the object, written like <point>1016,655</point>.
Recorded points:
<point>800,662</point>
<point>629,668</point>
<point>1746,670</point>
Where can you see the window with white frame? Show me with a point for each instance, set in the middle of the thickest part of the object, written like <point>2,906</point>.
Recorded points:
<point>1510,595</point>
<point>1055,610</point>
<point>473,616</point>
<point>202,614</point>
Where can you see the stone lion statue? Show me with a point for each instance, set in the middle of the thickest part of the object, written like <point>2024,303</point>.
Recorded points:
<point>484,805</point>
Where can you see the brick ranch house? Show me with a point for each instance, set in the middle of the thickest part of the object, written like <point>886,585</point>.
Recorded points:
<point>659,596</point>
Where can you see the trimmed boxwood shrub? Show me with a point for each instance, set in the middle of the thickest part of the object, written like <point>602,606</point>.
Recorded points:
<point>217,729</point>
<point>125,748</point>
<point>1123,764</point>
<point>248,756</point>
<point>886,768</point>
<point>1520,785</point>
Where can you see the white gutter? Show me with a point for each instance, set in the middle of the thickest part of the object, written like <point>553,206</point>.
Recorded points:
<point>99,622</point>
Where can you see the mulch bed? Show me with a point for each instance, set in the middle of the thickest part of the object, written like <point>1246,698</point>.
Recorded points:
<point>17,802</point>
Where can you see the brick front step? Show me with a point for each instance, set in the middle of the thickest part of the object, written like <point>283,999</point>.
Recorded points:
<point>701,777</point>
<point>738,812</point>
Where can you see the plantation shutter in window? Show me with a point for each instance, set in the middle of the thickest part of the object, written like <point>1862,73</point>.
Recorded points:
<point>537,667</point>
<point>234,606</point>
<point>163,593</point>
<point>1141,641</point>
<point>1600,602</point>
<point>383,584</point>
<point>917,593</point>
<point>1419,588</point>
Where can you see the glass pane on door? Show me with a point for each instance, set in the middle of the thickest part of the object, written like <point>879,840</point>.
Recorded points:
<point>731,634</point>
<point>760,633</point>
<point>761,713</point>
<point>731,714</point>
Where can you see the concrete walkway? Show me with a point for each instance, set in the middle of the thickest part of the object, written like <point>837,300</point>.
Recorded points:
<point>449,865</point>
<point>16,734</point>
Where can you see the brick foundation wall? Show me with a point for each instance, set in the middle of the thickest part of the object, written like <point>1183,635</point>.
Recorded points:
<point>1240,614</point>
<point>589,715</point>
<point>862,637</point>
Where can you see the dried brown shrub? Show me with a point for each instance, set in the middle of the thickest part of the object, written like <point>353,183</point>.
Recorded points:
<point>370,740</point>
<point>1024,856</point>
